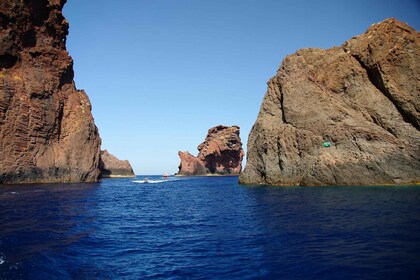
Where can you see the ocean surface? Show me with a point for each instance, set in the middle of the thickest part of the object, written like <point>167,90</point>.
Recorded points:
<point>208,228</point>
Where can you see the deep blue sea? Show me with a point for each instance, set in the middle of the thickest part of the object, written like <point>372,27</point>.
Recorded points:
<point>208,228</point>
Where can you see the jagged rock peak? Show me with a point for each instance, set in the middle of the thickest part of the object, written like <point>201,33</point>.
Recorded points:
<point>47,132</point>
<point>348,115</point>
<point>221,153</point>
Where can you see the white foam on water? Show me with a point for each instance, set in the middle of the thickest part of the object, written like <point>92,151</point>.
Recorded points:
<point>10,193</point>
<point>152,181</point>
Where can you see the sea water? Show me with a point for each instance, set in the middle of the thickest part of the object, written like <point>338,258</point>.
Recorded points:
<point>207,228</point>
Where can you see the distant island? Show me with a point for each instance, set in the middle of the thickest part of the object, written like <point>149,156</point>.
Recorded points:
<point>112,167</point>
<point>221,153</point>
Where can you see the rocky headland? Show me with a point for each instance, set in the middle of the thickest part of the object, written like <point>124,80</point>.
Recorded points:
<point>112,167</point>
<point>221,153</point>
<point>47,132</point>
<point>348,115</point>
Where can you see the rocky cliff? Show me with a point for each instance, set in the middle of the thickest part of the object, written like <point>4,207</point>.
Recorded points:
<point>47,132</point>
<point>221,153</point>
<point>112,167</point>
<point>348,115</point>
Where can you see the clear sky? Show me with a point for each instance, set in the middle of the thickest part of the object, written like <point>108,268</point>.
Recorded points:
<point>160,73</point>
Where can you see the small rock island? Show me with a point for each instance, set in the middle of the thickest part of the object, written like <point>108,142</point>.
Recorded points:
<point>112,167</point>
<point>221,153</point>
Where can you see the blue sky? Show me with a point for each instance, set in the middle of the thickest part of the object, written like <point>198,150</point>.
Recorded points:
<point>160,73</point>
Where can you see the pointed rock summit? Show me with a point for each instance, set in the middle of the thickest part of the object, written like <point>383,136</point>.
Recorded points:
<point>221,153</point>
<point>348,115</point>
<point>47,132</point>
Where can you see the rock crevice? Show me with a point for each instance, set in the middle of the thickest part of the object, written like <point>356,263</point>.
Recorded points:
<point>376,79</point>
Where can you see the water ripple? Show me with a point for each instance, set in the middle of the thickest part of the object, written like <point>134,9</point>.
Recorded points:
<point>207,228</point>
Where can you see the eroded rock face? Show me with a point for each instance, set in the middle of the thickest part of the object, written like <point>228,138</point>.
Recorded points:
<point>47,132</point>
<point>220,153</point>
<point>362,97</point>
<point>112,167</point>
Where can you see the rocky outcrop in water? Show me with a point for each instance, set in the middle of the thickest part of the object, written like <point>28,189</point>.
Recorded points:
<point>221,153</point>
<point>47,132</point>
<point>348,115</point>
<point>112,167</point>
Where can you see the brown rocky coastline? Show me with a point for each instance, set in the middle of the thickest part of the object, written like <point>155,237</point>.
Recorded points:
<point>221,153</point>
<point>348,115</point>
<point>112,167</point>
<point>47,132</point>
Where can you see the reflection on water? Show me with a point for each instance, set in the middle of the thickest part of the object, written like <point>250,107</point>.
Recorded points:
<point>199,228</point>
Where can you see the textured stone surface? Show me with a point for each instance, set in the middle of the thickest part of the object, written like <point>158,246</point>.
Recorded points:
<point>111,166</point>
<point>190,165</point>
<point>220,153</point>
<point>47,132</point>
<point>363,97</point>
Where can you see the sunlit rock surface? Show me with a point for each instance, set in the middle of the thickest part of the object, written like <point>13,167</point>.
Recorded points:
<point>361,99</point>
<point>221,153</point>
<point>47,132</point>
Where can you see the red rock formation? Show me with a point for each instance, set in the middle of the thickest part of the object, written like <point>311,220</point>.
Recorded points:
<point>112,167</point>
<point>47,132</point>
<point>220,153</point>
<point>362,97</point>
<point>190,165</point>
